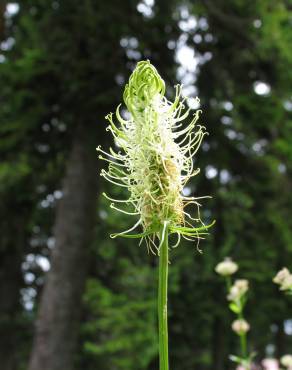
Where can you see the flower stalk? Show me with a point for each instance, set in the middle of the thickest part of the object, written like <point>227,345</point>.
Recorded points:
<point>153,160</point>
<point>237,296</point>
<point>162,299</point>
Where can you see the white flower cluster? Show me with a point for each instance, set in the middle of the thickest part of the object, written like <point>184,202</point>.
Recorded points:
<point>270,364</point>
<point>286,361</point>
<point>226,267</point>
<point>238,290</point>
<point>240,326</point>
<point>284,279</point>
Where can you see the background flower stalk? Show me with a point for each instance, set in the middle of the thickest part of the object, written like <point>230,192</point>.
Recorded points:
<point>237,296</point>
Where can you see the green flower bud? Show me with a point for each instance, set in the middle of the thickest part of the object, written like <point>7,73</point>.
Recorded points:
<point>144,86</point>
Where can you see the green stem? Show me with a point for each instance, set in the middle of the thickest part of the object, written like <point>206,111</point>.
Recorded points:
<point>228,283</point>
<point>162,300</point>
<point>243,345</point>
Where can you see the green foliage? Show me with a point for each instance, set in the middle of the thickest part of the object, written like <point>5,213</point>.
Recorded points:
<point>121,328</point>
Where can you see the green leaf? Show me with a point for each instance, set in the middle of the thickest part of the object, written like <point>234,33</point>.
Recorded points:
<point>234,308</point>
<point>236,359</point>
<point>192,229</point>
<point>132,236</point>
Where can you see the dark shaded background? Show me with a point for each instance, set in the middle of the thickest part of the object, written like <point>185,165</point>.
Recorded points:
<point>72,298</point>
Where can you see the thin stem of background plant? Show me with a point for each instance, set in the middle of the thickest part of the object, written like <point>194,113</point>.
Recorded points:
<point>153,160</point>
<point>242,334</point>
<point>243,345</point>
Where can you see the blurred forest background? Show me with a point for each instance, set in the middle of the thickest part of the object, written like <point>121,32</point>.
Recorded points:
<point>72,298</point>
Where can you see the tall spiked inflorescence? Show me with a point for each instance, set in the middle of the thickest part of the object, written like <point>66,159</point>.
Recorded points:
<point>156,159</point>
<point>154,162</point>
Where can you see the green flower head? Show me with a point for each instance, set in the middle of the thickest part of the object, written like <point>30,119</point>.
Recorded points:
<point>156,158</point>
<point>144,86</point>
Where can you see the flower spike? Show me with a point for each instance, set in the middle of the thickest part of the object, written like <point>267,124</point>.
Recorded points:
<point>155,160</point>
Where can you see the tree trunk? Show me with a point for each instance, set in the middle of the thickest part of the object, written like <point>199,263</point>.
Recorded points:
<point>3,4</point>
<point>58,317</point>
<point>218,352</point>
<point>280,339</point>
<point>11,253</point>
<point>12,244</point>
